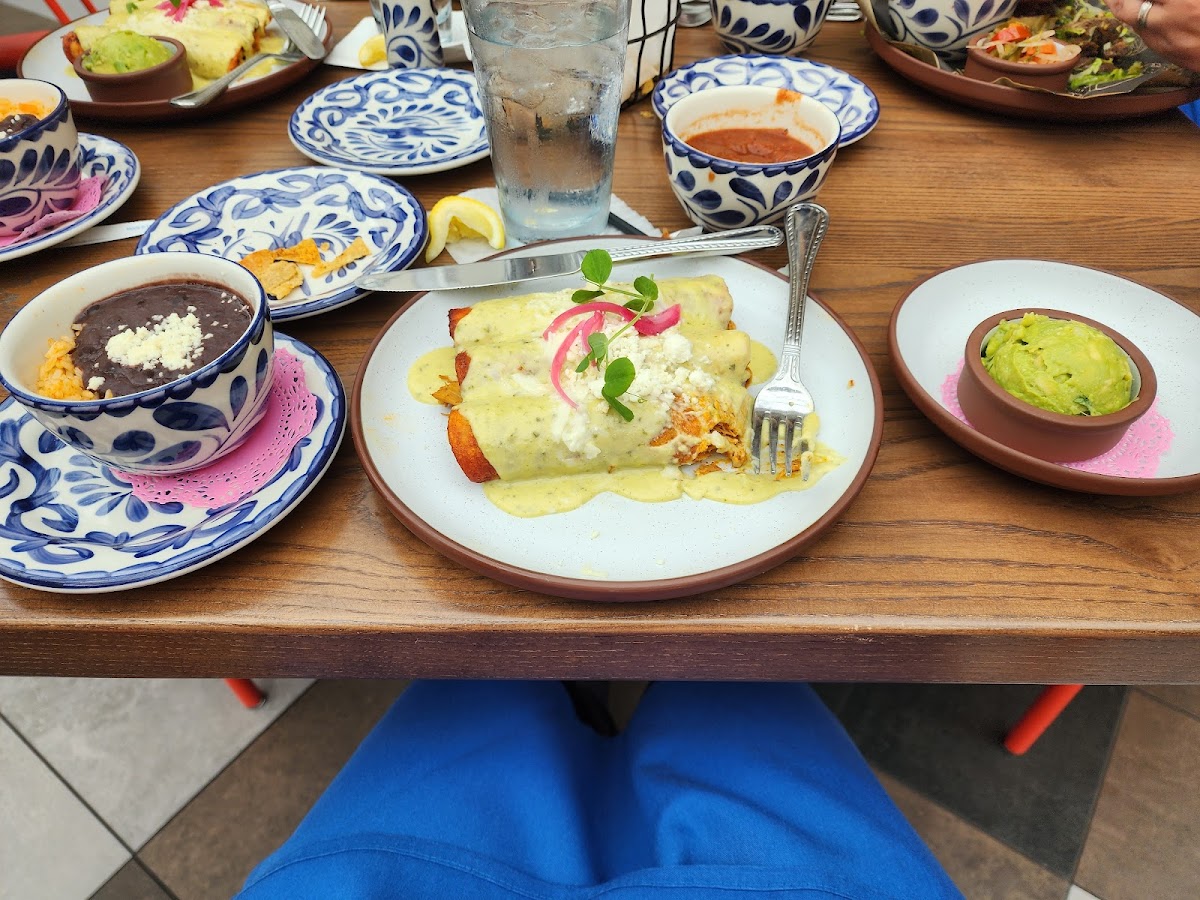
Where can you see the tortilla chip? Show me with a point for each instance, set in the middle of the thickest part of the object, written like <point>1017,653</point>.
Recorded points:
<point>258,262</point>
<point>357,250</point>
<point>280,278</point>
<point>305,253</point>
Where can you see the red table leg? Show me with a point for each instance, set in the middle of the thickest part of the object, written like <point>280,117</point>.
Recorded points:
<point>1037,718</point>
<point>247,691</point>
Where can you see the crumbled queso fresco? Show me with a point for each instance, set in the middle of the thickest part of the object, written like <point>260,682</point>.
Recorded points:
<point>171,343</point>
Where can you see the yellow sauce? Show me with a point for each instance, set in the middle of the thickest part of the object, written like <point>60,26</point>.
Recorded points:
<point>532,497</point>
<point>762,363</point>
<point>430,373</point>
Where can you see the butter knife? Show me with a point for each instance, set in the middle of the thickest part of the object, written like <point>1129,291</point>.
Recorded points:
<point>510,269</point>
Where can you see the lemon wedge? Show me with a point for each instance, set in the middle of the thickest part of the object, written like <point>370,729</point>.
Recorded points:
<point>457,217</point>
<point>372,51</point>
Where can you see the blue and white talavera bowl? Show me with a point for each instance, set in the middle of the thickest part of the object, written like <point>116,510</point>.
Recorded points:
<point>780,27</point>
<point>39,165</point>
<point>180,426</point>
<point>720,193</point>
<point>944,26</point>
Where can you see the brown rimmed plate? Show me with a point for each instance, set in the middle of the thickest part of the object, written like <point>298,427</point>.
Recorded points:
<point>929,329</point>
<point>45,61</point>
<point>613,548</point>
<point>999,98</point>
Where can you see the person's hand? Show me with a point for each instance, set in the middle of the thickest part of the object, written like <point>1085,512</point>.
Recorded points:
<point>1169,27</point>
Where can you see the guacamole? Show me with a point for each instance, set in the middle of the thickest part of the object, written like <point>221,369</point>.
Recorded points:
<point>1059,365</point>
<point>123,51</point>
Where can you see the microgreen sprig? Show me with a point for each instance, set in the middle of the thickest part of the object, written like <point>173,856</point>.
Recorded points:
<point>618,373</point>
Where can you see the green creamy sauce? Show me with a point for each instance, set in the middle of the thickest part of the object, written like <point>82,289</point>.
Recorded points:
<point>124,51</point>
<point>516,415</point>
<point>1059,365</point>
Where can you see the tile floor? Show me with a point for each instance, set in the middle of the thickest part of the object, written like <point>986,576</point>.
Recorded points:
<point>145,790</point>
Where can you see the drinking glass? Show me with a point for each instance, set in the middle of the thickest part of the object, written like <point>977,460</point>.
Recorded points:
<point>550,76</point>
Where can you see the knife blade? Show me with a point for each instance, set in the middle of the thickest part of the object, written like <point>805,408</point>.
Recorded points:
<point>511,269</point>
<point>102,234</point>
<point>298,30</point>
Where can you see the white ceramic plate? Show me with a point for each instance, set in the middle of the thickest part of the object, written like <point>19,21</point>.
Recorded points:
<point>931,324</point>
<point>395,122</point>
<point>278,209</point>
<point>45,61</point>
<point>613,548</point>
<point>851,101</point>
<point>101,156</point>
<point>70,526</point>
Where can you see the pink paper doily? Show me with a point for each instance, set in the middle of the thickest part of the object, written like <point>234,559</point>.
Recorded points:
<point>1136,456</point>
<point>91,190</point>
<point>291,414</point>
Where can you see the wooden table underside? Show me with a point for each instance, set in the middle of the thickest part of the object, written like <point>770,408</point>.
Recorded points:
<point>944,568</point>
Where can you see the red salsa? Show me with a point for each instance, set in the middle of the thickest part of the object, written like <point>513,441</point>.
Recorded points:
<point>751,145</point>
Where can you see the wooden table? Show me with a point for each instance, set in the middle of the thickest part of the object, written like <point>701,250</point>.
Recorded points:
<point>944,569</point>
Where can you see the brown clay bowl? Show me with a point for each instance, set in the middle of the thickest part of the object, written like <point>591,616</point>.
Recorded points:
<point>1052,436</point>
<point>161,82</point>
<point>983,66</point>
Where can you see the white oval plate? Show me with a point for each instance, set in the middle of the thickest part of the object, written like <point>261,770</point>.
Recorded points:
<point>931,324</point>
<point>394,122</point>
<point>45,61</point>
<point>613,548</point>
<point>851,101</point>
<point>101,156</point>
<point>278,209</point>
<point>70,526</point>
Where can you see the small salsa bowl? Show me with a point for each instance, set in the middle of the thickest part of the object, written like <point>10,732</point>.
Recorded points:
<point>720,193</point>
<point>1052,436</point>
<point>1049,76</point>
<point>160,82</point>
<point>176,427</point>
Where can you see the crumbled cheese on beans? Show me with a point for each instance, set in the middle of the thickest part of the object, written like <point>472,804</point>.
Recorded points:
<point>172,343</point>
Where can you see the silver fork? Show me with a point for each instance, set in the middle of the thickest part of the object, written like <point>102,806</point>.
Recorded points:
<point>312,16</point>
<point>784,400</point>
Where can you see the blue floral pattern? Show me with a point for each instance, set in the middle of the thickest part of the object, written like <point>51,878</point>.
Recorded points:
<point>67,523</point>
<point>394,122</point>
<point>98,156</point>
<point>785,27</point>
<point>760,194</point>
<point>410,34</point>
<point>39,170</point>
<point>280,208</point>
<point>944,26</point>
<point>851,101</point>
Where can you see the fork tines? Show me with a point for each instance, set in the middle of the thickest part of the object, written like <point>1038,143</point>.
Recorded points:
<point>793,451</point>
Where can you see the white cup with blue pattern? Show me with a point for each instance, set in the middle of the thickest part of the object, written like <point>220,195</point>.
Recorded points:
<point>177,427</point>
<point>779,27</point>
<point>720,193</point>
<point>944,26</point>
<point>411,33</point>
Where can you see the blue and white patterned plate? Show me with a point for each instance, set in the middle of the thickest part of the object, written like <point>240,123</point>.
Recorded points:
<point>278,209</point>
<point>101,156</point>
<point>852,102</point>
<point>395,122</point>
<point>68,525</point>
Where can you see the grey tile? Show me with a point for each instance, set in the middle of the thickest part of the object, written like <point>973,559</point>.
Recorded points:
<point>51,846</point>
<point>1185,697</point>
<point>131,882</point>
<point>1145,835</point>
<point>981,866</point>
<point>138,749</point>
<point>945,741</point>
<point>254,805</point>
